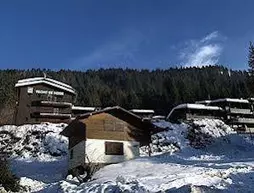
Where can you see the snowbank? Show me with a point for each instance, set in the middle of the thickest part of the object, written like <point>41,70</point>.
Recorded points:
<point>199,134</point>
<point>204,132</point>
<point>41,141</point>
<point>168,141</point>
<point>37,153</point>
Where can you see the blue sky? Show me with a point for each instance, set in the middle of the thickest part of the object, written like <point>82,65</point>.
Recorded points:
<point>149,34</point>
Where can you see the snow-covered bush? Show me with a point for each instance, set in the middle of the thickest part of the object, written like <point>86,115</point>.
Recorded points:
<point>197,134</point>
<point>204,132</point>
<point>55,144</point>
<point>169,140</point>
<point>38,141</point>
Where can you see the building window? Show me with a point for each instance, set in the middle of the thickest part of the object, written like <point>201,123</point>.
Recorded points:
<point>71,154</point>
<point>113,148</point>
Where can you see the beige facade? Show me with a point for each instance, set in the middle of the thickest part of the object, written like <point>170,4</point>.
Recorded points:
<point>94,151</point>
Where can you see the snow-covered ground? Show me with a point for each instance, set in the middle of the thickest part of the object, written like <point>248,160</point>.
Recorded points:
<point>207,155</point>
<point>37,153</point>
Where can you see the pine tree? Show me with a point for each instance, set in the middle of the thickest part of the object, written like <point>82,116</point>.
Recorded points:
<point>251,68</point>
<point>251,57</point>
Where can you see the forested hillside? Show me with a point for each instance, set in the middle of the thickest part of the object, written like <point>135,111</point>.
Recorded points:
<point>157,89</point>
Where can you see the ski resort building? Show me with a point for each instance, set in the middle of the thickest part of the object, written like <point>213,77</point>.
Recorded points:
<point>110,135</point>
<point>42,99</point>
<point>236,111</point>
<point>189,112</point>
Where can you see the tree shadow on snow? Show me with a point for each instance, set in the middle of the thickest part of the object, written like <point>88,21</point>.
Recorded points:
<point>241,182</point>
<point>47,172</point>
<point>234,183</point>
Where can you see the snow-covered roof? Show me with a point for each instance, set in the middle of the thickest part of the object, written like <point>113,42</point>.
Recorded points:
<point>142,110</point>
<point>230,100</point>
<point>197,106</point>
<point>203,102</point>
<point>158,117</point>
<point>83,108</point>
<point>45,80</point>
<point>109,109</point>
<point>194,106</point>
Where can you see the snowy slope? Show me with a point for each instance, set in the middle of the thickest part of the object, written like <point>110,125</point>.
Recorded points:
<point>207,155</point>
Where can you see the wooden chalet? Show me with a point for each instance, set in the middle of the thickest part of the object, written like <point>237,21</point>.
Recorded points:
<point>42,99</point>
<point>110,135</point>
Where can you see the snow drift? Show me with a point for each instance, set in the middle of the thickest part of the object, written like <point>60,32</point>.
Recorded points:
<point>199,134</point>
<point>41,141</point>
<point>37,153</point>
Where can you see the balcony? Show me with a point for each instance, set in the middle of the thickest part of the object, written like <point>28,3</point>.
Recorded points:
<point>241,120</point>
<point>56,104</point>
<point>198,117</point>
<point>50,109</point>
<point>51,115</point>
<point>52,103</point>
<point>240,111</point>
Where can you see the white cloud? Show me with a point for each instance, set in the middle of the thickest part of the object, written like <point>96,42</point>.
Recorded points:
<point>117,52</point>
<point>203,52</point>
<point>210,36</point>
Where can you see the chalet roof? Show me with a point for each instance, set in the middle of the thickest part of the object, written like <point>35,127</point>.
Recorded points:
<point>120,113</point>
<point>158,117</point>
<point>197,106</point>
<point>45,80</point>
<point>142,110</point>
<point>203,102</point>
<point>109,109</point>
<point>231,100</point>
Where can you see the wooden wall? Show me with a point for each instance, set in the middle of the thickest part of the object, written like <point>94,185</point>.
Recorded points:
<point>104,126</point>
<point>108,127</point>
